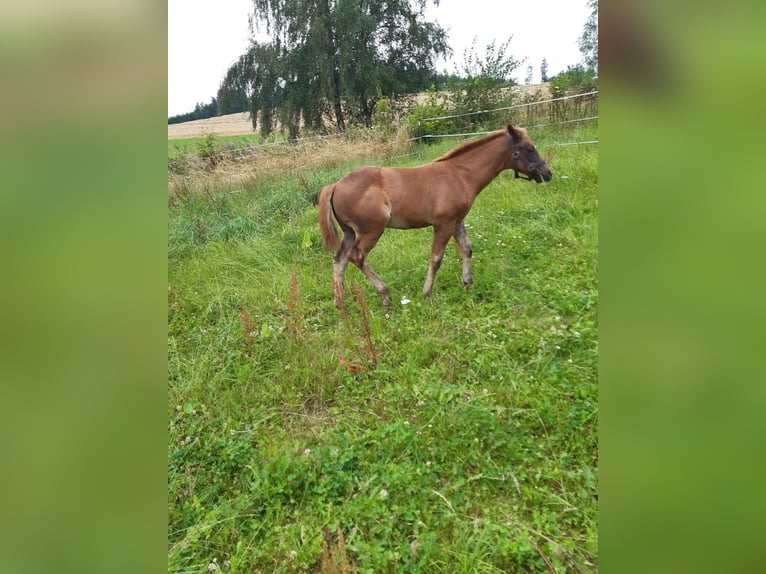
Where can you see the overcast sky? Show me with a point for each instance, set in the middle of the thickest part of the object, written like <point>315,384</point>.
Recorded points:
<point>206,36</point>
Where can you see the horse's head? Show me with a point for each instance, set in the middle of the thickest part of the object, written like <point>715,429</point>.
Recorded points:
<point>524,157</point>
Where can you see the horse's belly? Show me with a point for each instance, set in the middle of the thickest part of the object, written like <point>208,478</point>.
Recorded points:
<point>400,222</point>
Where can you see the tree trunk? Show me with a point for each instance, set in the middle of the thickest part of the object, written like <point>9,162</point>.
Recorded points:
<point>340,122</point>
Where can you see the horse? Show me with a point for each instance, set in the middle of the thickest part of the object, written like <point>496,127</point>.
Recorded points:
<point>437,194</point>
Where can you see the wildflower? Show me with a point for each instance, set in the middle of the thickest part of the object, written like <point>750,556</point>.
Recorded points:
<point>307,452</point>
<point>383,493</point>
<point>428,463</point>
<point>405,301</point>
<point>293,555</point>
<point>213,566</point>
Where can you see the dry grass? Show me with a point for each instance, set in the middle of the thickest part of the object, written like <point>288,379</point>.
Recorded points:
<point>234,169</point>
<point>229,125</point>
<point>334,559</point>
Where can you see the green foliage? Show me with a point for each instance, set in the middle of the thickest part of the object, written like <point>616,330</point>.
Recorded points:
<point>483,79</point>
<point>588,41</point>
<point>201,111</point>
<point>470,447</point>
<point>232,100</point>
<point>437,104</point>
<point>209,149</point>
<point>575,80</point>
<point>333,57</point>
<point>185,146</point>
<point>480,84</point>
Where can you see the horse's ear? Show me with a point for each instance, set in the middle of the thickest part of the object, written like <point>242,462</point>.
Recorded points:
<point>514,133</point>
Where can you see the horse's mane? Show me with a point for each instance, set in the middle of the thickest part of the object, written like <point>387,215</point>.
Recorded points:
<point>469,145</point>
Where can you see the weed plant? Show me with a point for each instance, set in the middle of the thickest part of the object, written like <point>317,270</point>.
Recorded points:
<point>456,434</point>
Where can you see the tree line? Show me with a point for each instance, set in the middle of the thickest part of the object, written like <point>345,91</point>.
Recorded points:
<point>332,61</point>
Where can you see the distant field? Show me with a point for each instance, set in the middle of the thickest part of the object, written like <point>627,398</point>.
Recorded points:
<point>231,124</point>
<point>240,124</point>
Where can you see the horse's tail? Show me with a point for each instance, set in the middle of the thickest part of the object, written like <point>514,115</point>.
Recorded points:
<point>327,225</point>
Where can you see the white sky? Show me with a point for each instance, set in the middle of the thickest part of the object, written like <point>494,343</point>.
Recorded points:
<point>205,37</point>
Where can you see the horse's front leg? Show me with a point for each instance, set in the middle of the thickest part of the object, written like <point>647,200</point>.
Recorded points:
<point>464,246</point>
<point>439,242</point>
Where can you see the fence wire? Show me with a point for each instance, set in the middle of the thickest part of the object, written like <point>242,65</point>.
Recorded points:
<point>250,150</point>
<point>514,107</point>
<point>548,113</point>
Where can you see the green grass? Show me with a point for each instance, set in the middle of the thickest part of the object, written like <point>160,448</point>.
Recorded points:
<point>180,146</point>
<point>465,441</point>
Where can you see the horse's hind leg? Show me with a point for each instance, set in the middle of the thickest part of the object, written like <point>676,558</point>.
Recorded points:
<point>464,246</point>
<point>378,282</point>
<point>358,256</point>
<point>339,264</point>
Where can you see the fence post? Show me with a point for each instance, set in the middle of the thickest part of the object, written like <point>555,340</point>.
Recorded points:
<point>420,132</point>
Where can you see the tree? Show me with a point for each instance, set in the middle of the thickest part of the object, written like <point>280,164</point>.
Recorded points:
<point>481,82</point>
<point>232,101</point>
<point>201,111</point>
<point>336,56</point>
<point>575,80</point>
<point>544,70</point>
<point>588,41</point>
<point>528,79</point>
<point>482,79</point>
<point>256,75</point>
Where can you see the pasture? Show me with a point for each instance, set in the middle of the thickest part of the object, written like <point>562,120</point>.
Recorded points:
<point>455,435</point>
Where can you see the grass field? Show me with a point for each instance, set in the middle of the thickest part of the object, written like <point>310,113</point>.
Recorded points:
<point>181,146</point>
<point>456,434</point>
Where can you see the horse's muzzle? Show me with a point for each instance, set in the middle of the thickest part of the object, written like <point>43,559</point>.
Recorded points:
<point>543,174</point>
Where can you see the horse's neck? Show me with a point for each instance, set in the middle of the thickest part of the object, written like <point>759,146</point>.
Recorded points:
<point>481,165</point>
